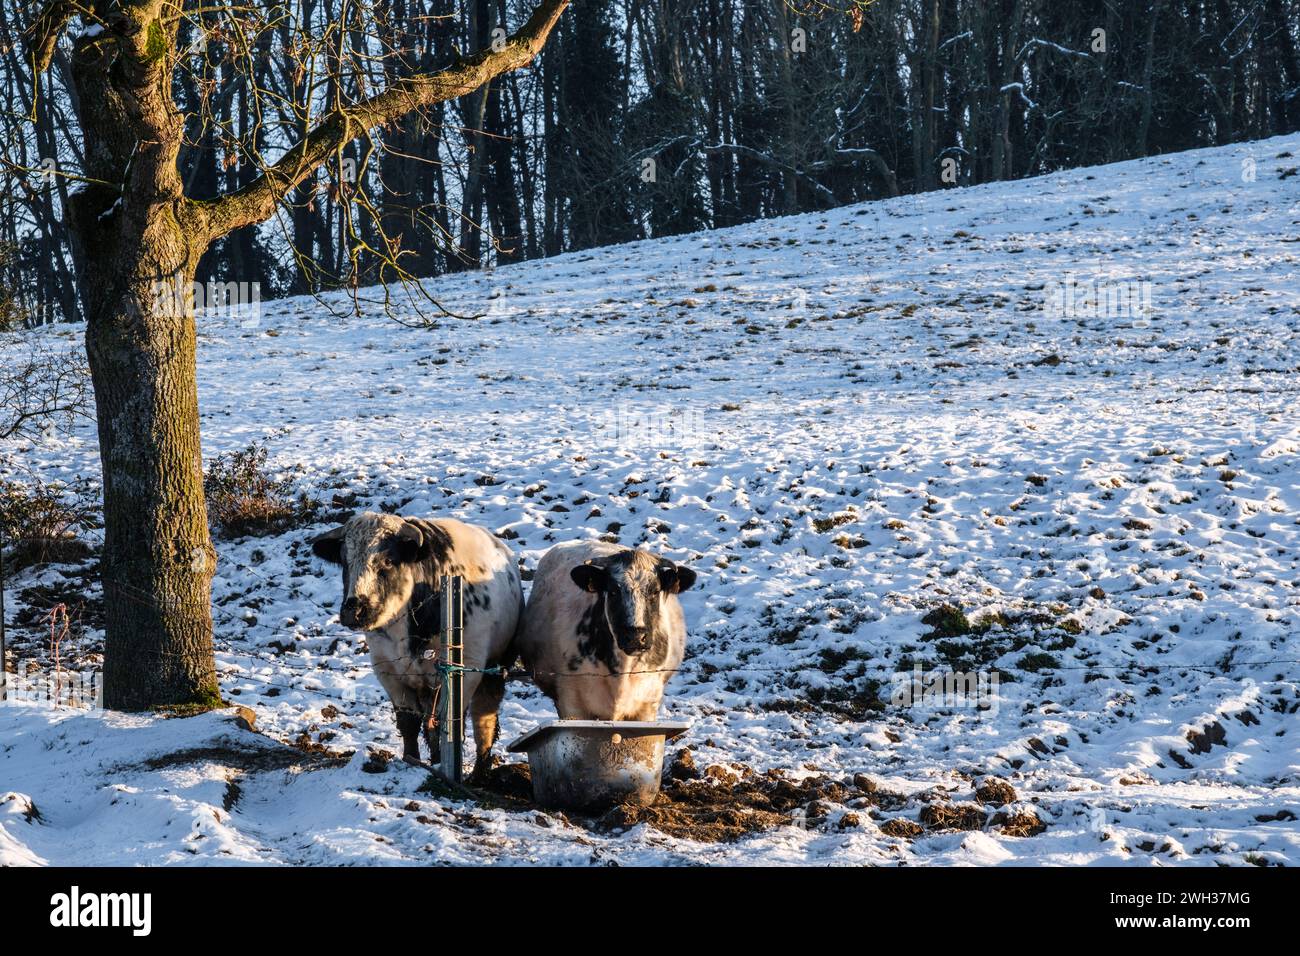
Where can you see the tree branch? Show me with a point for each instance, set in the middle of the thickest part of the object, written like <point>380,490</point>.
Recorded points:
<point>256,201</point>
<point>43,35</point>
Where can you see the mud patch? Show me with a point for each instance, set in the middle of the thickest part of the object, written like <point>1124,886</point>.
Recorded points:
<point>504,786</point>
<point>722,803</point>
<point>242,758</point>
<point>727,803</point>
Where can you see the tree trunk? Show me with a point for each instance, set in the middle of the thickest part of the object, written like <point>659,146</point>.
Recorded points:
<point>1141,146</point>
<point>1002,159</point>
<point>157,561</point>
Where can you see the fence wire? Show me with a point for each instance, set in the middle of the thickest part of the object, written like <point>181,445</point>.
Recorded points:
<point>212,612</point>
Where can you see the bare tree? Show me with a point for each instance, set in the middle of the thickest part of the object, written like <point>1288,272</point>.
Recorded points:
<point>145,235</point>
<point>40,389</point>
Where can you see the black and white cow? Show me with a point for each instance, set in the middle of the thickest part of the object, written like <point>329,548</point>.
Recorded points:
<point>391,570</point>
<point>604,630</point>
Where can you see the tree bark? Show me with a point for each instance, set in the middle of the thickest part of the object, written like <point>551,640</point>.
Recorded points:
<point>1141,146</point>
<point>157,560</point>
<point>1002,128</point>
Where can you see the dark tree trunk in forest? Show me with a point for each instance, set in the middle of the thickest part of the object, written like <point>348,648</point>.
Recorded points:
<point>1141,146</point>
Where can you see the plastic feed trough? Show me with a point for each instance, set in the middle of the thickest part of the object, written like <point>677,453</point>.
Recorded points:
<point>586,764</point>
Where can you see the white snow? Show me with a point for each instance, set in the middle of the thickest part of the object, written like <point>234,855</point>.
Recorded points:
<point>842,421</point>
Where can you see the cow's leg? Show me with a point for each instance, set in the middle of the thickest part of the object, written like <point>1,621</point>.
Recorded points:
<point>407,708</point>
<point>429,724</point>
<point>408,725</point>
<point>483,707</point>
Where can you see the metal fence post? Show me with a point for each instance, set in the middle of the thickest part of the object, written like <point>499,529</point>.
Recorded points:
<point>4,673</point>
<point>451,657</point>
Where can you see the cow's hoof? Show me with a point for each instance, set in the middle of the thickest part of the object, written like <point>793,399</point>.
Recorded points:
<point>483,768</point>
<point>413,759</point>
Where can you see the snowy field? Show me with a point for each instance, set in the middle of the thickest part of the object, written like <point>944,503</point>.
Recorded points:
<point>844,422</point>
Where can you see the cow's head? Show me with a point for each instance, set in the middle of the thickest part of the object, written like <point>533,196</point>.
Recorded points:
<point>381,557</point>
<point>633,586</point>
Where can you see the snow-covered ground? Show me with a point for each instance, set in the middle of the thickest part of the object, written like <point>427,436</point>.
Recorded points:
<point>842,421</point>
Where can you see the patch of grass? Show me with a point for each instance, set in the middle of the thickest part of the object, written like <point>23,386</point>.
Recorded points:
<point>901,828</point>
<point>1037,662</point>
<point>1023,824</point>
<point>833,659</point>
<point>995,791</point>
<point>947,620</point>
<point>204,701</point>
<point>953,816</point>
<point>848,700</point>
<point>822,525</point>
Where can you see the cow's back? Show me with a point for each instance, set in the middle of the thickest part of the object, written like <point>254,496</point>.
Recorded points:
<point>493,593</point>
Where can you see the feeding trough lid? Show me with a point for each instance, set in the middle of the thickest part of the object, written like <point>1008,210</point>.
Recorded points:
<point>668,729</point>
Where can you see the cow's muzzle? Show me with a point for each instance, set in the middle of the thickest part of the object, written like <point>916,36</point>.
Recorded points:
<point>356,613</point>
<point>634,640</point>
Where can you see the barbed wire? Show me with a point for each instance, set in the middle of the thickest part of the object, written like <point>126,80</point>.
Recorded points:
<point>533,674</point>
<point>417,670</point>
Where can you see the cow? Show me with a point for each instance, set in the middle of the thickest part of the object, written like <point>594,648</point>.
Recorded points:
<point>391,570</point>
<point>603,629</point>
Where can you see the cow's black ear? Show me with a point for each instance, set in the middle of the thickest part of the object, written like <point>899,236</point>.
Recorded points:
<point>674,578</point>
<point>410,544</point>
<point>685,578</point>
<point>329,545</point>
<point>589,577</point>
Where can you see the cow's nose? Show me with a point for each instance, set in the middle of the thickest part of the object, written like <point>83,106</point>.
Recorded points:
<point>354,611</point>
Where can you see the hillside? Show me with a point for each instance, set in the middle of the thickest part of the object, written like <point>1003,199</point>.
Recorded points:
<point>853,425</point>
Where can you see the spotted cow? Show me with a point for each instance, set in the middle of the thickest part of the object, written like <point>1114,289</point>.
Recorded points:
<point>604,630</point>
<point>391,570</point>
